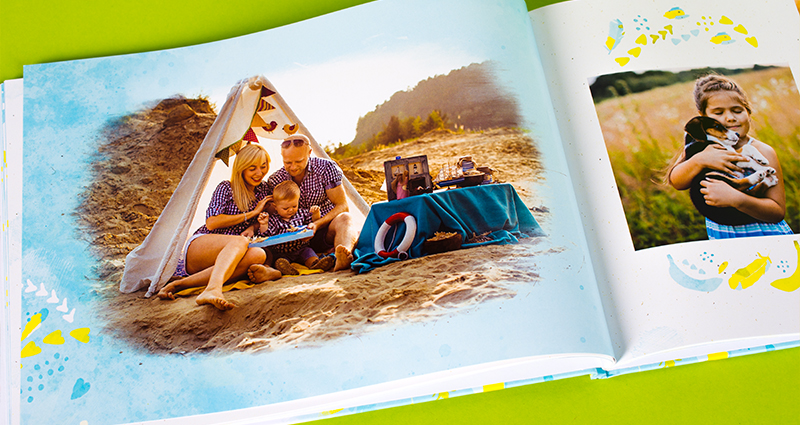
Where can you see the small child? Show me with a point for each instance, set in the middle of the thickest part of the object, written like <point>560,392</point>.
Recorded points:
<point>721,98</point>
<point>289,218</point>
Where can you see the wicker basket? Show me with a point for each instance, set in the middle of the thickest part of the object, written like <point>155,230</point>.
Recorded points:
<point>442,242</point>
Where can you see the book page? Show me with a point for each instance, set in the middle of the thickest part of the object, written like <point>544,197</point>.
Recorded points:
<point>108,140</point>
<point>11,177</point>
<point>622,79</point>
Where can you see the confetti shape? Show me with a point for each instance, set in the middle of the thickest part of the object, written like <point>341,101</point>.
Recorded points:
<point>63,307</point>
<point>81,334</point>
<point>31,287</point>
<point>54,338</point>
<point>30,349</point>
<point>80,389</point>
<point>53,298</point>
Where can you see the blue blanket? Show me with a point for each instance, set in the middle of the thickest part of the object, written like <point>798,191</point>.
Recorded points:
<point>494,208</point>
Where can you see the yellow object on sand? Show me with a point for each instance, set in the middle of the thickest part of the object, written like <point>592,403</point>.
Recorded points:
<point>747,276</point>
<point>243,284</point>
<point>305,270</point>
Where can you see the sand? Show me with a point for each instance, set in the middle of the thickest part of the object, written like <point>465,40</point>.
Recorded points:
<point>294,311</point>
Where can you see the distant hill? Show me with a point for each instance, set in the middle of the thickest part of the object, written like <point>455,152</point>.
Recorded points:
<point>468,97</point>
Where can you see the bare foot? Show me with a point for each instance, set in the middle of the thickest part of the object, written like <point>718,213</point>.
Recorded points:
<point>325,263</point>
<point>167,292</point>
<point>286,267</point>
<point>259,273</point>
<point>215,299</point>
<point>343,258</point>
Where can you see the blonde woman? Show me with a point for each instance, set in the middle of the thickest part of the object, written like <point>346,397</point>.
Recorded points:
<point>219,252</point>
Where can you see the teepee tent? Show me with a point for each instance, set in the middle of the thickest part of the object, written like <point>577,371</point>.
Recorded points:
<point>253,112</point>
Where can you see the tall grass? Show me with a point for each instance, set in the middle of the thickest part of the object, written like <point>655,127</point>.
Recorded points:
<point>644,131</point>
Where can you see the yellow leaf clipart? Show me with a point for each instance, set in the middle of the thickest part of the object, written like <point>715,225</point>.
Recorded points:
<point>747,276</point>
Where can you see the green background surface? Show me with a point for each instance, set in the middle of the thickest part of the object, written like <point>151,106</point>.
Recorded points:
<point>762,388</point>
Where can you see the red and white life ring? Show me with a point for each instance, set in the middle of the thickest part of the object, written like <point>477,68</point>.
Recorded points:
<point>401,251</point>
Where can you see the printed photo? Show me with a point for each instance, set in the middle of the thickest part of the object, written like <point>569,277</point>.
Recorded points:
<point>707,153</point>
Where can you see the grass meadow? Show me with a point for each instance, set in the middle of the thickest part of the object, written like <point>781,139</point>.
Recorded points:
<point>644,131</point>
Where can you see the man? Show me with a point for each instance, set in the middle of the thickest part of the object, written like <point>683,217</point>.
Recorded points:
<point>320,182</point>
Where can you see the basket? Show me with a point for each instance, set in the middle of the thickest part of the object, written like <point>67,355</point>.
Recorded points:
<point>442,242</point>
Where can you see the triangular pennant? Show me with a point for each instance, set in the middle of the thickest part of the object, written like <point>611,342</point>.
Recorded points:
<point>250,136</point>
<point>263,105</point>
<point>224,155</point>
<point>265,92</point>
<point>258,121</point>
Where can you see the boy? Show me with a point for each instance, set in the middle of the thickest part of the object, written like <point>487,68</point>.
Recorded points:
<point>289,218</point>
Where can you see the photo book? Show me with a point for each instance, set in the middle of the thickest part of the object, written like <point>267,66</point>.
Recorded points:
<point>356,211</point>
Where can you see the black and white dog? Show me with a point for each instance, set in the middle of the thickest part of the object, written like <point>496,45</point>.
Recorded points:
<point>701,131</point>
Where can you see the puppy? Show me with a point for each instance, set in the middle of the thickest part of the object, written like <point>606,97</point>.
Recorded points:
<point>702,131</point>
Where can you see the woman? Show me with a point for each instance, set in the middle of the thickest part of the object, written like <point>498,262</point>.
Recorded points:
<point>218,252</point>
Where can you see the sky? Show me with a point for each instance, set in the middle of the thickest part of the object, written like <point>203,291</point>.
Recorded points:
<point>330,71</point>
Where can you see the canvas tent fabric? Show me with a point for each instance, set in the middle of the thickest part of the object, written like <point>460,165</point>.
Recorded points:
<point>254,111</point>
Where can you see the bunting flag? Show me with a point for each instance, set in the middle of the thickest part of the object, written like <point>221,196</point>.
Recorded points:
<point>265,92</point>
<point>250,136</point>
<point>269,122</point>
<point>263,105</point>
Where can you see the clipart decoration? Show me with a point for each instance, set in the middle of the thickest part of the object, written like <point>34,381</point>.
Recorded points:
<point>674,27</point>
<point>707,275</point>
<point>47,362</point>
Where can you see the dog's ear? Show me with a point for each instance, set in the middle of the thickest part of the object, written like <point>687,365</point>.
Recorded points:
<point>695,128</point>
<point>712,123</point>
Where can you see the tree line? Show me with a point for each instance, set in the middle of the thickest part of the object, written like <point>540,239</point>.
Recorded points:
<point>624,83</point>
<point>396,130</point>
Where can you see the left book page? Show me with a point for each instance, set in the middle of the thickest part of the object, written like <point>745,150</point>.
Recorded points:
<point>106,144</point>
<point>10,238</point>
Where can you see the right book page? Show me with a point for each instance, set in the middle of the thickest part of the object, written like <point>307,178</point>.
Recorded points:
<point>623,84</point>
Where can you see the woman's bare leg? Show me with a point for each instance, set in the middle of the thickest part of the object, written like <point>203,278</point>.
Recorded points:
<point>254,256</point>
<point>228,257</point>
<point>211,261</point>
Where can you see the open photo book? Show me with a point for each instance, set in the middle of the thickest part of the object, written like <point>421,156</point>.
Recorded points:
<point>505,198</point>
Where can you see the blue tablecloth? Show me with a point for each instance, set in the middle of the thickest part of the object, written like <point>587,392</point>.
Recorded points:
<point>494,208</point>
